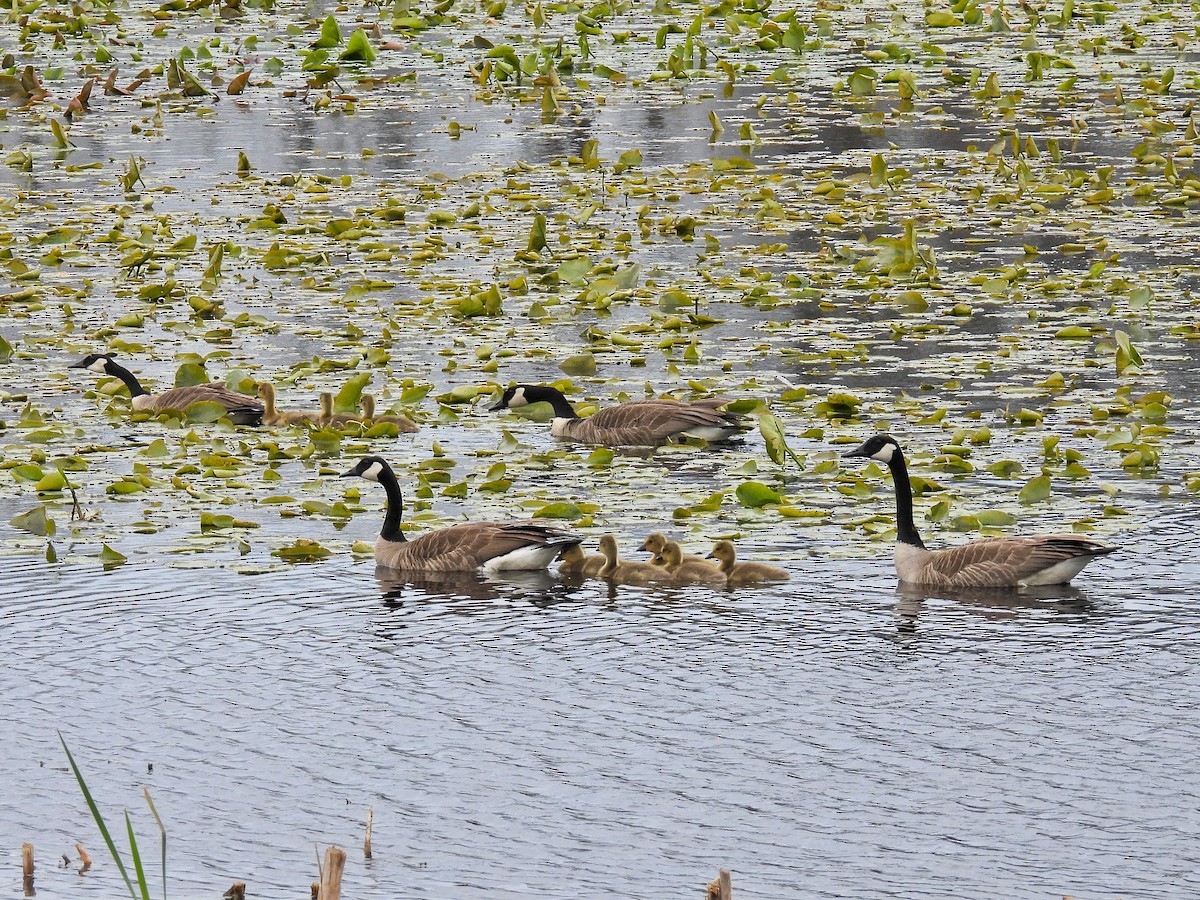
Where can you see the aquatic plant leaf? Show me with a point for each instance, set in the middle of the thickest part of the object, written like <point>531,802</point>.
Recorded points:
<point>99,819</point>
<point>35,521</point>
<point>331,35</point>
<point>559,511</point>
<point>358,48</point>
<point>348,398</point>
<point>1127,355</point>
<point>204,412</point>
<point>777,446</point>
<point>6,350</point>
<point>1035,490</point>
<point>755,494</point>
<point>190,374</point>
<point>304,550</point>
<point>580,364</point>
<point>110,557</point>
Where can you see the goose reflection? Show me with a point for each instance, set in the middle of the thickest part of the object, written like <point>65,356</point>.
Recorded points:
<point>989,602</point>
<point>396,587</point>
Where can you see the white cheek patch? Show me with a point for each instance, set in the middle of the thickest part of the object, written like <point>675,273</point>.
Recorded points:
<point>99,366</point>
<point>884,453</point>
<point>372,472</point>
<point>517,399</point>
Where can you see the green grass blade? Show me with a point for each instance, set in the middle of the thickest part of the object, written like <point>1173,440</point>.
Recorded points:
<point>137,859</point>
<point>162,830</point>
<point>87,795</point>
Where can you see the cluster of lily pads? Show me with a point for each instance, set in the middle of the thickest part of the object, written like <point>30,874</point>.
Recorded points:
<point>973,225</point>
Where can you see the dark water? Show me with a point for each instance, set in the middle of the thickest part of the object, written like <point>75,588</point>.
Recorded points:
<point>827,738</point>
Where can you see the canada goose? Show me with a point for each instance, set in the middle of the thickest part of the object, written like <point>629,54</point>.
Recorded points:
<point>690,571</point>
<point>990,562</point>
<point>637,423</point>
<point>573,561</point>
<point>656,541</point>
<point>404,424</point>
<point>273,416</point>
<point>486,546</point>
<point>240,409</point>
<point>628,572</point>
<point>328,417</point>
<point>737,573</point>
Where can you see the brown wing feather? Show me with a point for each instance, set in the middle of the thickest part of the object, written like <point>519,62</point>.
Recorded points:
<point>1006,561</point>
<point>183,397</point>
<point>648,422</point>
<point>466,547</point>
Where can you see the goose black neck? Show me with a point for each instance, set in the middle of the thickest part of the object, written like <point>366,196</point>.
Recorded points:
<point>395,507</point>
<point>906,529</point>
<point>562,407</point>
<point>131,382</point>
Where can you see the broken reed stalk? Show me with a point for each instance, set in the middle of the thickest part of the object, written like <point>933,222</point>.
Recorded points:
<point>721,887</point>
<point>331,874</point>
<point>367,839</point>
<point>27,869</point>
<point>83,858</point>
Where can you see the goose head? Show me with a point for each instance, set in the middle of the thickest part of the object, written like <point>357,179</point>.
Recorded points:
<point>97,362</point>
<point>371,468</point>
<point>608,546</point>
<point>655,542</point>
<point>266,391</point>
<point>672,555</point>
<point>723,550</point>
<point>523,394</point>
<point>881,447</point>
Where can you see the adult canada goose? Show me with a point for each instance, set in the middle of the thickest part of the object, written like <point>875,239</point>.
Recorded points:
<point>737,573</point>
<point>404,424</point>
<point>240,409</point>
<point>656,542</point>
<point>628,572</point>
<point>639,423</point>
<point>1011,562</point>
<point>690,571</point>
<point>573,561</point>
<point>486,546</point>
<point>328,417</point>
<point>273,416</point>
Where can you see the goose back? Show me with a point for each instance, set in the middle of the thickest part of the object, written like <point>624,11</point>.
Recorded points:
<point>620,572</point>
<point>403,424</point>
<point>573,561</point>
<point>1000,561</point>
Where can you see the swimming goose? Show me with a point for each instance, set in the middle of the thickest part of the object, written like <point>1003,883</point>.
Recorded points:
<point>240,409</point>
<point>737,573</point>
<point>484,546</point>
<point>328,417</point>
<point>575,562</point>
<point>628,572</point>
<point>690,571</point>
<point>404,424</point>
<point>638,423</point>
<point>656,542</point>
<point>273,416</point>
<point>1011,562</point>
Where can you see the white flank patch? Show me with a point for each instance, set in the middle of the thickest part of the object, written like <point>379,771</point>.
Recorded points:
<point>524,559</point>
<point>517,399</point>
<point>1059,573</point>
<point>709,432</point>
<point>561,428</point>
<point>372,472</point>
<point>142,401</point>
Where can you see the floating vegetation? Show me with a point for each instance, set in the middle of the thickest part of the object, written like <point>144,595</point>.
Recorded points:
<point>933,221</point>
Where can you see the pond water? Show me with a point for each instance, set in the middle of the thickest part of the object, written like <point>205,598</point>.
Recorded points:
<point>739,230</point>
